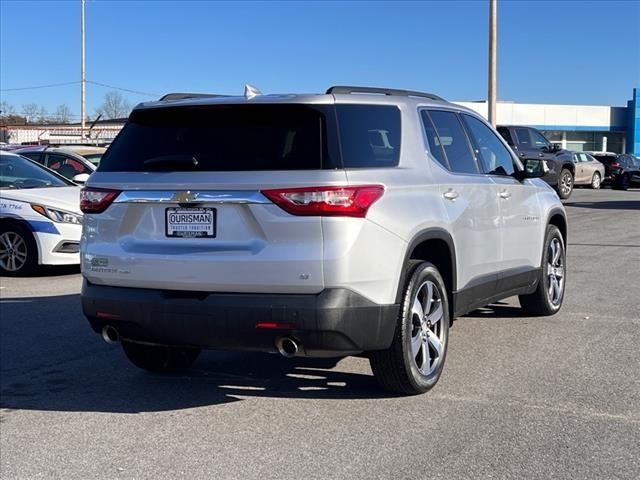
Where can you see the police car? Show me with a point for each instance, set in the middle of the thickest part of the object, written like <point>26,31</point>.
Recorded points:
<point>40,218</point>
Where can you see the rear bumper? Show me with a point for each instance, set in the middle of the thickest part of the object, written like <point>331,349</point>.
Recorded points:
<point>332,323</point>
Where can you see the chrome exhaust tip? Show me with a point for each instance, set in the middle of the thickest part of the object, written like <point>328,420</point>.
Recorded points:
<point>110,334</point>
<point>287,347</point>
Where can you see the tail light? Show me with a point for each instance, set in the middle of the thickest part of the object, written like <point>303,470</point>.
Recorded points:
<point>96,200</point>
<point>352,201</point>
<point>615,165</point>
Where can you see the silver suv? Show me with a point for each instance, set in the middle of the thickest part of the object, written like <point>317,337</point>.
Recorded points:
<point>359,220</point>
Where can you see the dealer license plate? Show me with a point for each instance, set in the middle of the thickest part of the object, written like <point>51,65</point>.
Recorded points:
<point>191,222</point>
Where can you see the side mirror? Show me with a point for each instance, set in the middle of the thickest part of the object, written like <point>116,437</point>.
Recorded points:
<point>556,147</point>
<point>533,168</point>
<point>81,178</point>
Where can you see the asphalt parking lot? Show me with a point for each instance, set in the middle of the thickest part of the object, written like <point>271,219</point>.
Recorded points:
<point>555,397</point>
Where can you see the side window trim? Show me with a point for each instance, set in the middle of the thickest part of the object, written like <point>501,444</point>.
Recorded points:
<point>425,112</point>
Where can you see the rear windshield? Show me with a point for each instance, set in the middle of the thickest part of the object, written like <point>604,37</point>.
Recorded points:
<point>256,137</point>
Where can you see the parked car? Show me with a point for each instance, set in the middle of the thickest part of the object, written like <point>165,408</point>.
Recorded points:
<point>622,171</point>
<point>65,162</point>
<point>293,224</point>
<point>89,152</point>
<point>589,171</point>
<point>530,144</point>
<point>40,218</point>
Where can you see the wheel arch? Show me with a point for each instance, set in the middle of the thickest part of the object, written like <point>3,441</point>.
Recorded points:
<point>434,245</point>
<point>558,218</point>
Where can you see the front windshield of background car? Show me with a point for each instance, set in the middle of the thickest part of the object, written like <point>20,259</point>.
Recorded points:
<point>635,160</point>
<point>20,173</point>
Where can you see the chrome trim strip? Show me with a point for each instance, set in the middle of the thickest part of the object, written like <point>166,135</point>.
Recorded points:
<point>189,196</point>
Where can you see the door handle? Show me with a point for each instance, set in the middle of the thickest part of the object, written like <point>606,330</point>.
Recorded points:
<point>521,154</point>
<point>504,194</point>
<point>450,195</point>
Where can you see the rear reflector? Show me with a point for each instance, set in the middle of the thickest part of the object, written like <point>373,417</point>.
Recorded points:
<point>96,200</point>
<point>351,201</point>
<point>107,315</point>
<point>276,325</point>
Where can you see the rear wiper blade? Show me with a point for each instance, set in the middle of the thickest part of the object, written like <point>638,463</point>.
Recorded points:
<point>178,160</point>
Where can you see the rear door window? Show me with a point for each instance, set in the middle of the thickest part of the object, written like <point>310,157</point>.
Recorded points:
<point>223,138</point>
<point>454,141</point>
<point>524,139</point>
<point>369,135</point>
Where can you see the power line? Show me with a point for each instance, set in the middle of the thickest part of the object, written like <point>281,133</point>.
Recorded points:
<point>124,89</point>
<point>38,86</point>
<point>99,84</point>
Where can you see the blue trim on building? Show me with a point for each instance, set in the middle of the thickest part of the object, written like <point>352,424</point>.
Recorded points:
<point>43,227</point>
<point>633,123</point>
<point>581,128</point>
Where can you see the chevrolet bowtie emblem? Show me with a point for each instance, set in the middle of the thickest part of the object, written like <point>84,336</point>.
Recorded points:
<point>184,197</point>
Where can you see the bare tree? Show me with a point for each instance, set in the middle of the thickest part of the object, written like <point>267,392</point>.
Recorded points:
<point>63,114</point>
<point>6,109</point>
<point>114,106</point>
<point>31,111</point>
<point>8,115</point>
<point>43,115</point>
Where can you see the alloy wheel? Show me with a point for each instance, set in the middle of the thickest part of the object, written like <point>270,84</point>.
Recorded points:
<point>13,251</point>
<point>555,271</point>
<point>595,183</point>
<point>427,337</point>
<point>566,184</point>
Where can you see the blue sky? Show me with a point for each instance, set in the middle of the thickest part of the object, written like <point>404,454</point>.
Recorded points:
<point>549,52</point>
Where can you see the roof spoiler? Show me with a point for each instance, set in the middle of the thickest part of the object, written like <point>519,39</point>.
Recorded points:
<point>184,96</point>
<point>341,89</point>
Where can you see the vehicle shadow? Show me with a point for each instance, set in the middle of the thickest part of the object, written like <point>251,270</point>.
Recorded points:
<point>608,205</point>
<point>52,271</point>
<point>52,360</point>
<point>496,310</point>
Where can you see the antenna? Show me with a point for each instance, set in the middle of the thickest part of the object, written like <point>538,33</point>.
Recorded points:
<point>250,91</point>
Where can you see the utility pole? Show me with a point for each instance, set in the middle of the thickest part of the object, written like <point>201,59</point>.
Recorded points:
<point>82,76</point>
<point>493,14</point>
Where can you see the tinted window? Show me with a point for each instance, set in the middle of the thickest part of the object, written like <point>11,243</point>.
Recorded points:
<point>454,140</point>
<point>222,138</point>
<point>434,142</point>
<point>608,159</point>
<point>523,137</point>
<point>369,135</point>
<point>495,157</point>
<point>35,156</point>
<point>506,134</point>
<point>19,173</point>
<point>539,141</point>
<point>66,166</point>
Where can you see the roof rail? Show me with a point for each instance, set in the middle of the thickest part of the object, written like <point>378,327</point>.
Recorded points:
<point>341,89</point>
<point>184,96</point>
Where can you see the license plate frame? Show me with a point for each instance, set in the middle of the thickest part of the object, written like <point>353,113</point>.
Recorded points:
<point>201,230</point>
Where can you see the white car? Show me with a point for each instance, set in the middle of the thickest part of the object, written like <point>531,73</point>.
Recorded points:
<point>40,218</point>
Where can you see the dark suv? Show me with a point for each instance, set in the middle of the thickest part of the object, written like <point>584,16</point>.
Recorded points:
<point>621,171</point>
<point>530,144</point>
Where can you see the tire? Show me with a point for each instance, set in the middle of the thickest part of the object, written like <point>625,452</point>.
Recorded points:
<point>596,181</point>
<point>565,184</point>
<point>403,367</point>
<point>159,358</point>
<point>546,300</point>
<point>624,183</point>
<point>18,250</point>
